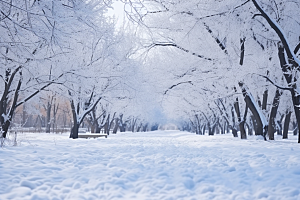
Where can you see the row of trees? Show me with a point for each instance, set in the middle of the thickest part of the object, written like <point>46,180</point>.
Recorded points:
<point>67,50</point>
<point>215,65</point>
<point>230,64</point>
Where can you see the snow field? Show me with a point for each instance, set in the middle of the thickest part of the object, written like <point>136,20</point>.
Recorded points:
<point>153,165</point>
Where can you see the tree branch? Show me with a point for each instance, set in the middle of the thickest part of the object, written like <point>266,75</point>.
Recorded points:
<point>170,88</point>
<point>273,83</point>
<point>181,48</point>
<point>291,56</point>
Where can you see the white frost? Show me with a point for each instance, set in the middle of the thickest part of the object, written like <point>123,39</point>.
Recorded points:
<point>5,117</point>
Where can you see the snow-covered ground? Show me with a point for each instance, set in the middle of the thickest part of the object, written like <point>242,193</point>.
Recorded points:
<point>154,165</point>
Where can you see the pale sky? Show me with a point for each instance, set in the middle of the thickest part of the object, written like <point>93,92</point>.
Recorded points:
<point>118,12</point>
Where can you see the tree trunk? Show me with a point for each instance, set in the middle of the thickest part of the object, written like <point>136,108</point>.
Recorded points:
<point>139,127</point>
<point>145,127</point>
<point>203,129</point>
<point>295,128</point>
<point>116,126</point>
<point>250,130</point>
<point>98,129</point>
<point>74,131</point>
<point>93,128</point>
<point>222,129</point>
<point>265,100</point>
<point>275,105</point>
<point>258,115</point>
<point>210,131</point>
<point>198,126</point>
<point>55,109</point>
<point>106,126</point>
<point>286,125</point>
<point>48,117</point>
<point>279,125</point>
<point>240,120</point>
<point>234,132</point>
<point>254,124</point>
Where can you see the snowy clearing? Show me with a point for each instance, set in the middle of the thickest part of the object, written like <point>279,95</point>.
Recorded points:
<point>153,165</point>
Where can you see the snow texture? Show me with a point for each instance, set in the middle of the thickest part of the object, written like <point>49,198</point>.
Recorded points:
<point>153,165</point>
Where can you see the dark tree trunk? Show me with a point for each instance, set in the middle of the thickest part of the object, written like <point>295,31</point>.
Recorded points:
<point>93,128</point>
<point>215,128</point>
<point>233,127</point>
<point>122,125</point>
<point>286,125</point>
<point>254,124</point>
<point>55,109</point>
<point>74,131</point>
<point>240,120</point>
<point>48,117</point>
<point>250,130</point>
<point>139,127</point>
<point>116,126</point>
<point>98,129</point>
<point>254,109</point>
<point>223,128</point>
<point>265,100</point>
<point>234,132</point>
<point>295,128</point>
<point>133,124</point>
<point>279,125</point>
<point>227,128</point>
<point>198,126</point>
<point>145,127</point>
<point>106,126</point>
<point>123,128</point>
<point>203,129</point>
<point>210,130</point>
<point>110,122</point>
<point>272,123</point>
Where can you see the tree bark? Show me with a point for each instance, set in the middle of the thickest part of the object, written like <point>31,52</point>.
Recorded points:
<point>250,130</point>
<point>295,128</point>
<point>272,123</point>
<point>251,104</point>
<point>279,125</point>
<point>203,129</point>
<point>116,126</point>
<point>145,127</point>
<point>286,125</point>
<point>55,109</point>
<point>240,120</point>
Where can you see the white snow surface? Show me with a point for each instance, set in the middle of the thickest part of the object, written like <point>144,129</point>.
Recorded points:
<point>152,165</point>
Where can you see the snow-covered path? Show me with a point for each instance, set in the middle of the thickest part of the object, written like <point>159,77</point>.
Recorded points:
<point>156,165</point>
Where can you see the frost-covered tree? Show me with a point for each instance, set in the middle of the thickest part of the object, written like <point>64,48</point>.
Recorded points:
<point>232,44</point>
<point>35,38</point>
